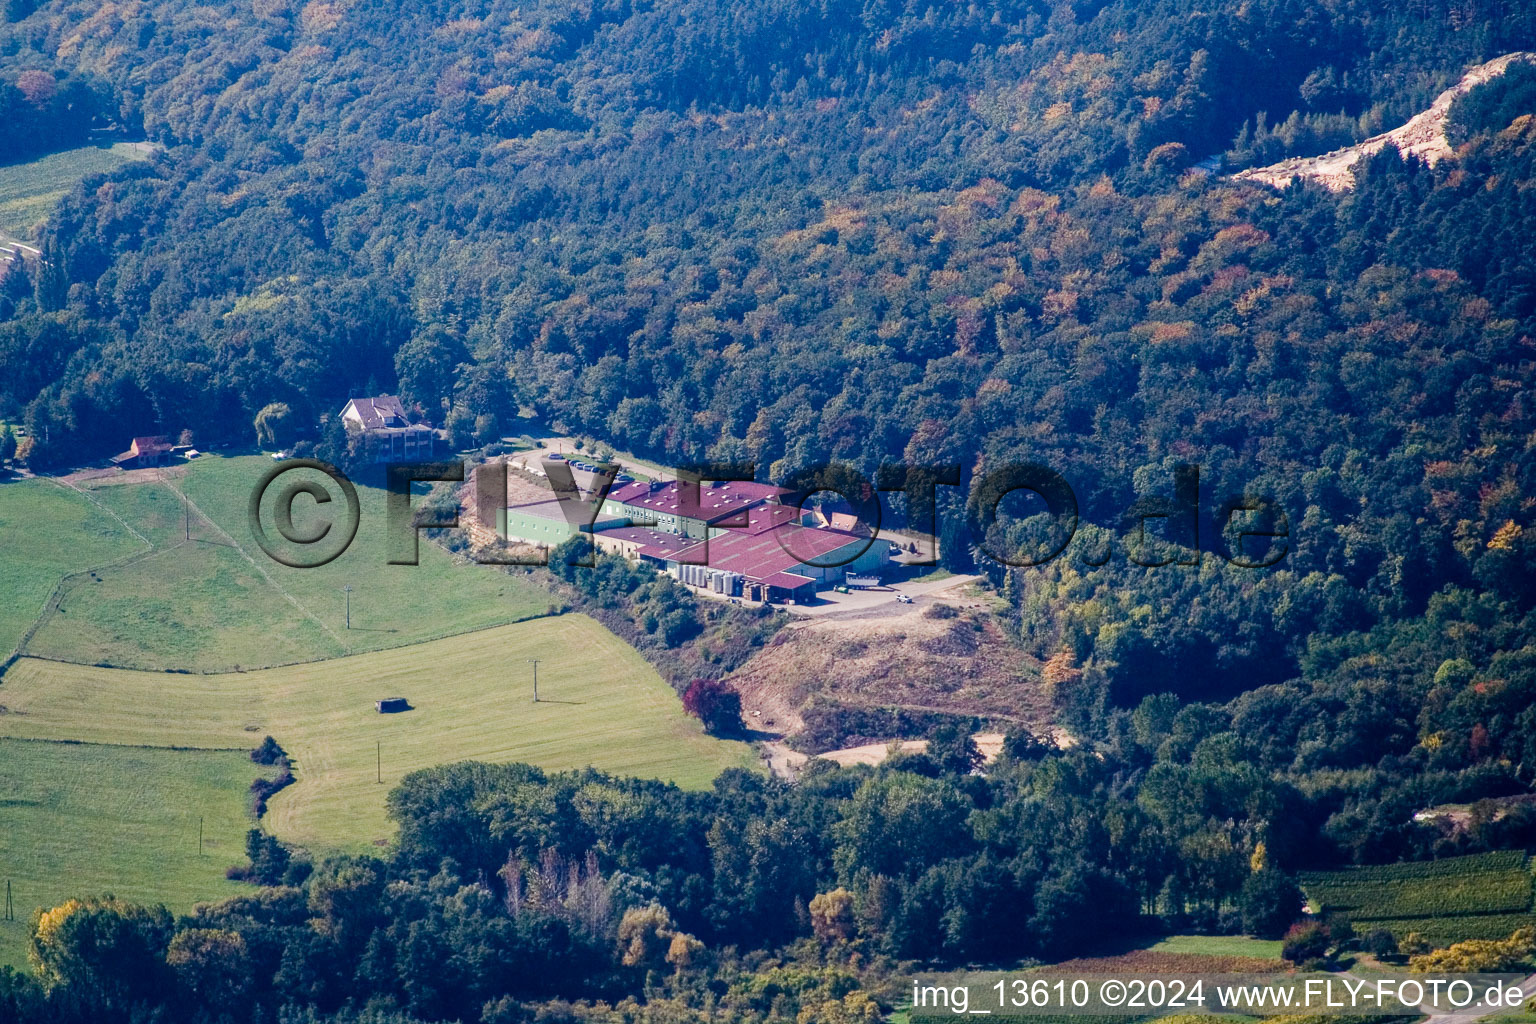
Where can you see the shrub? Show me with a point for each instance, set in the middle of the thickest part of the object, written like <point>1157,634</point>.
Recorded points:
<point>830,725</point>
<point>269,752</point>
<point>264,789</point>
<point>716,704</point>
<point>1379,942</point>
<point>1476,956</point>
<point>1305,941</point>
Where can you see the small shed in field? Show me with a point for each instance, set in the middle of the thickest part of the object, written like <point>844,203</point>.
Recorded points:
<point>391,705</point>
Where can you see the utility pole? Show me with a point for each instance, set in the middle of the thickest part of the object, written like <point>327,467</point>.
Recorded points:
<point>378,765</point>
<point>10,911</point>
<point>186,515</point>
<point>348,591</point>
<point>535,662</point>
<point>199,835</point>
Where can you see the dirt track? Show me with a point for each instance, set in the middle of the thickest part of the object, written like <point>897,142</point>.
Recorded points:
<point>892,656</point>
<point>1423,136</point>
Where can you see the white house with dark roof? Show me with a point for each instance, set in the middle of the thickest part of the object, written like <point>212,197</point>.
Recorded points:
<point>383,422</point>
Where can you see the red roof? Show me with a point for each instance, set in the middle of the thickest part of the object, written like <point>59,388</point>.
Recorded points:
<point>715,502</point>
<point>787,580</point>
<point>766,517</point>
<point>758,555</point>
<point>150,445</point>
<point>652,543</point>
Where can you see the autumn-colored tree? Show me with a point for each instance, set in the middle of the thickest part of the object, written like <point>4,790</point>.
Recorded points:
<point>832,915</point>
<point>647,938</point>
<point>1479,956</point>
<point>37,86</point>
<point>106,952</point>
<point>716,704</point>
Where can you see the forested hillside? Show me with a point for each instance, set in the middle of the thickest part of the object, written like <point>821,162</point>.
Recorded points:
<point>794,233</point>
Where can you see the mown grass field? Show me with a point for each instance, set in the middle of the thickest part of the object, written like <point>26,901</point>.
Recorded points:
<point>29,191</point>
<point>190,604</point>
<point>601,705</point>
<point>216,602</point>
<point>104,805</point>
<point>46,532</point>
<point>391,604</point>
<point>83,819</point>
<point>1483,896</point>
<point>1219,945</point>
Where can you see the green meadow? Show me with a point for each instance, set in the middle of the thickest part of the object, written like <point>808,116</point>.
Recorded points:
<point>46,532</point>
<point>174,644</point>
<point>601,704</point>
<point>85,819</point>
<point>208,599</point>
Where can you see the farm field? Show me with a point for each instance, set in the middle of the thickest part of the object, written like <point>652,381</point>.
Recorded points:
<point>216,602</point>
<point>391,604</point>
<point>601,705</point>
<point>188,604</point>
<point>1480,896</point>
<point>28,191</point>
<point>1219,945</point>
<point>37,517</point>
<point>84,819</point>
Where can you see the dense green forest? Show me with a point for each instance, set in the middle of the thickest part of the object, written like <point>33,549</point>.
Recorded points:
<point>873,232</point>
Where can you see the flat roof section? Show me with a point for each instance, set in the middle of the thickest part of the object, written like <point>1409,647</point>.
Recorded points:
<point>715,503</point>
<point>778,549</point>
<point>651,543</point>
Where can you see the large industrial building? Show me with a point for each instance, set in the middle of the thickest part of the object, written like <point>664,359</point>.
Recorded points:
<point>667,506</point>
<point>735,540</point>
<point>546,522</point>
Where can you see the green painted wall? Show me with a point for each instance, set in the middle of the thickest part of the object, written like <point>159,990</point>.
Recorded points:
<point>515,525</point>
